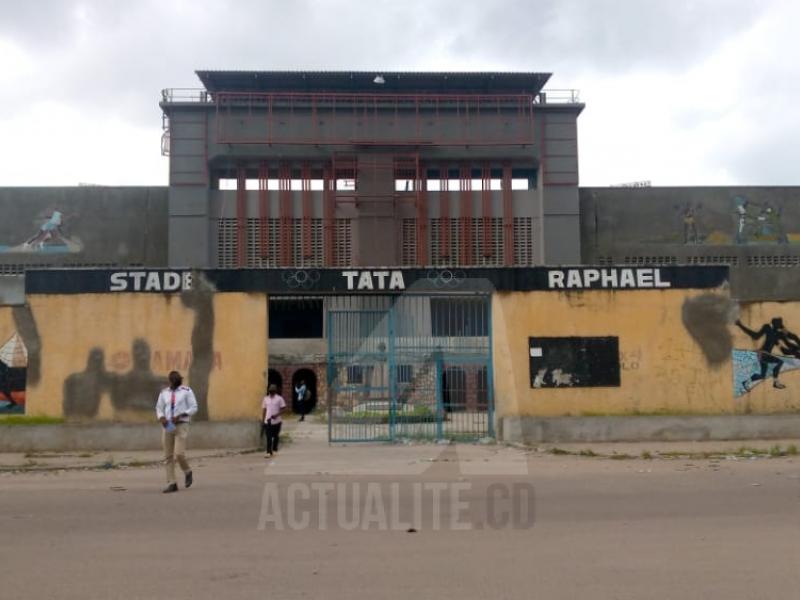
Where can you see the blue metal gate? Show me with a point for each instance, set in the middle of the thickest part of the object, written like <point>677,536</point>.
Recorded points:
<point>411,366</point>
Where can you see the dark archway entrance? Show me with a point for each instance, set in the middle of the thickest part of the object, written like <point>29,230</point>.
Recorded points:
<point>310,379</point>
<point>276,379</point>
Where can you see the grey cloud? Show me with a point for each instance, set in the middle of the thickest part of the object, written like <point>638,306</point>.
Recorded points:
<point>601,35</point>
<point>112,57</point>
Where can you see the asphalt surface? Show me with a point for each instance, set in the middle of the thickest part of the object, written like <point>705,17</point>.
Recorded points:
<point>251,527</point>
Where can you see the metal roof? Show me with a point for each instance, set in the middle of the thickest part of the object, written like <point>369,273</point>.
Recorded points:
<point>364,81</point>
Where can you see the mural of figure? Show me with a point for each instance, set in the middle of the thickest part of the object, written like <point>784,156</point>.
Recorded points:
<point>690,225</point>
<point>5,384</point>
<point>13,374</point>
<point>740,209</point>
<point>769,224</point>
<point>774,334</point>
<point>135,390</point>
<point>83,391</point>
<point>50,229</point>
<point>50,237</point>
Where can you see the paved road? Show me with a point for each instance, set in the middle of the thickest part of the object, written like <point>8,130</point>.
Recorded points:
<point>601,528</point>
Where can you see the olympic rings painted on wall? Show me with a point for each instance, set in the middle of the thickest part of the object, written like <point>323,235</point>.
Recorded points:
<point>446,278</point>
<point>301,279</point>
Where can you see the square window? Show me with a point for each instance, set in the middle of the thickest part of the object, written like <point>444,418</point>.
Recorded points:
<point>405,373</point>
<point>355,374</point>
<point>295,318</point>
<point>459,317</point>
<point>574,362</point>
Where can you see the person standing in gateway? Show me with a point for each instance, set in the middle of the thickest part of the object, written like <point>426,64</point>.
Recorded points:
<point>174,409</point>
<point>271,407</point>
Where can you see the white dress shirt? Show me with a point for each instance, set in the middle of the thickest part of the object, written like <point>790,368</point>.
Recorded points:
<point>185,403</point>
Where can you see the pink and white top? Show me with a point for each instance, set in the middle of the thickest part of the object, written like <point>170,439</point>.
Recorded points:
<point>273,406</point>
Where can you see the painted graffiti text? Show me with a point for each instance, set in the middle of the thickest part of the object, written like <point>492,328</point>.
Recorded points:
<point>150,281</point>
<point>611,278</point>
<point>374,280</point>
<point>162,360</point>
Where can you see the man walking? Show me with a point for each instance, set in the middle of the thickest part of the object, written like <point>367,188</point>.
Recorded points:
<point>174,409</point>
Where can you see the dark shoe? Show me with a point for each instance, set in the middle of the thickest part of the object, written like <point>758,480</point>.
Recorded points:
<point>172,487</point>
<point>303,418</point>
<point>746,385</point>
<point>188,480</point>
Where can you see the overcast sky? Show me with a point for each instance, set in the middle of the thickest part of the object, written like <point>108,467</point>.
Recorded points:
<point>678,92</point>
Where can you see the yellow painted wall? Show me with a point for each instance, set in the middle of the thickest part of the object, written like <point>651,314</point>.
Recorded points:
<point>663,370</point>
<point>240,335</point>
<point>7,327</point>
<point>71,326</point>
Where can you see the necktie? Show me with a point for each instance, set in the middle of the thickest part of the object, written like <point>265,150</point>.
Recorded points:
<point>173,404</point>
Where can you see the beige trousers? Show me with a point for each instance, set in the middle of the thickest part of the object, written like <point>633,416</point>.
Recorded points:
<point>174,444</point>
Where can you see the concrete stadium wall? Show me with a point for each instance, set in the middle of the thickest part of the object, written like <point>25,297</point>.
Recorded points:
<point>754,230</point>
<point>104,357</point>
<point>12,290</point>
<point>82,226</point>
<point>680,353</point>
<point>67,437</point>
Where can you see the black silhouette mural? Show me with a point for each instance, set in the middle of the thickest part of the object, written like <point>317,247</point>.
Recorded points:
<point>780,347</point>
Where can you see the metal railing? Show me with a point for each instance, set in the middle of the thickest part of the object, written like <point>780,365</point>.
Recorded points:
<point>193,95</point>
<point>566,96</point>
<point>202,96</point>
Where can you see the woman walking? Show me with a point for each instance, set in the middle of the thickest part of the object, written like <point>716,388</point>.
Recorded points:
<point>271,408</point>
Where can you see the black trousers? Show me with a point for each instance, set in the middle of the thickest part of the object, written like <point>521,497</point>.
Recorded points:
<point>273,431</point>
<point>766,360</point>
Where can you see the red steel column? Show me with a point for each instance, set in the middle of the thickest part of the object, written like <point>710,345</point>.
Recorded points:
<point>508,217</point>
<point>465,184</point>
<point>486,201</point>
<point>307,211</point>
<point>263,211</point>
<point>241,217</point>
<point>444,214</point>
<point>328,200</point>
<point>421,188</point>
<point>286,216</point>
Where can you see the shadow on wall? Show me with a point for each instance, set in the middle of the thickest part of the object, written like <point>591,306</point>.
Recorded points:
<point>707,319</point>
<point>200,299</point>
<point>134,391</point>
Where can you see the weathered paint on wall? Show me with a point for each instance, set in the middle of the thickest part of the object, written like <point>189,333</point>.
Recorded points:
<point>106,356</point>
<point>663,368</point>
